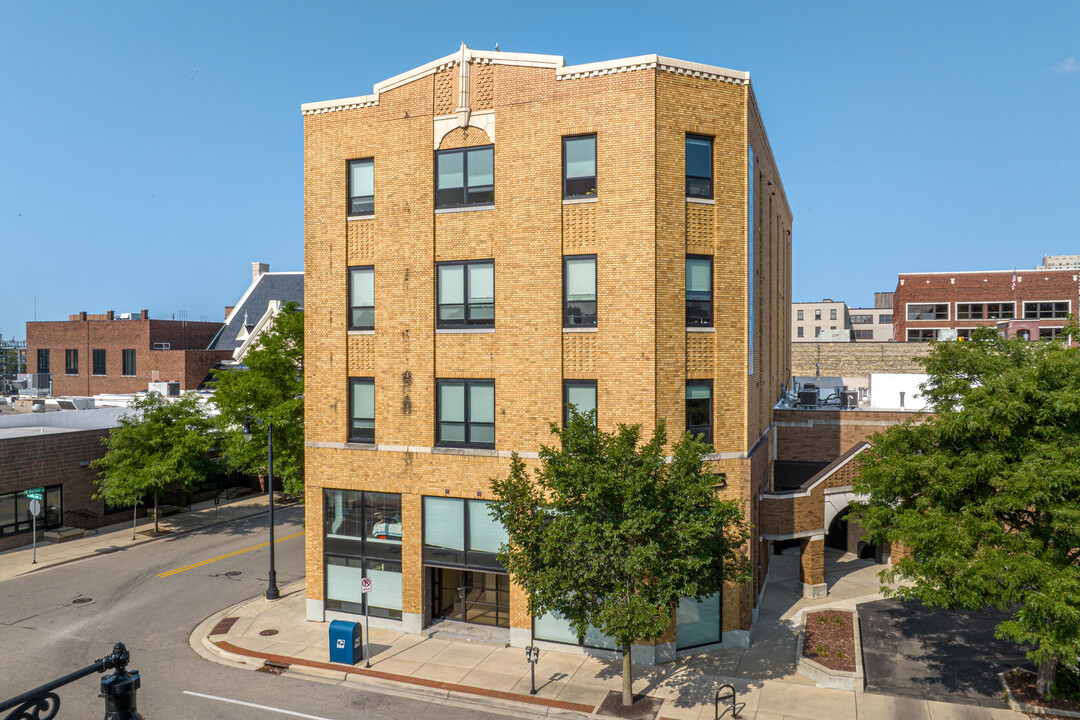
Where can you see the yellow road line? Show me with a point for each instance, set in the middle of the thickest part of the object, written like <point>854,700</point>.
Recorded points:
<point>228,555</point>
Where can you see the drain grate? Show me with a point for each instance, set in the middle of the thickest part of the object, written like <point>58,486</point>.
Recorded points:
<point>268,632</point>
<point>224,626</point>
<point>81,600</point>
<point>272,668</point>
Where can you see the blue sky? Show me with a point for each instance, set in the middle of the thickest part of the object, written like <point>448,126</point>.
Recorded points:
<point>149,152</point>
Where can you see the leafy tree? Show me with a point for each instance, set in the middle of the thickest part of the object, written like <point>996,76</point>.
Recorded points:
<point>162,445</point>
<point>612,535</point>
<point>271,388</point>
<point>986,492</point>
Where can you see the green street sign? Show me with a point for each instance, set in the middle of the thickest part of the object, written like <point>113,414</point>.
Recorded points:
<point>35,493</point>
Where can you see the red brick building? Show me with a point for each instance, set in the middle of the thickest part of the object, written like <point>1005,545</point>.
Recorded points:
<point>1036,305</point>
<point>109,353</point>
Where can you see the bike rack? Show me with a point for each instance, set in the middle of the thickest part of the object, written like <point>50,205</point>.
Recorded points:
<point>717,699</point>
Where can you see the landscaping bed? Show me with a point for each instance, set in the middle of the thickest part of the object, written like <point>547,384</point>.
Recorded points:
<point>830,639</point>
<point>1064,700</point>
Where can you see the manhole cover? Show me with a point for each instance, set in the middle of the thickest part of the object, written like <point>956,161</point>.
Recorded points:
<point>81,601</point>
<point>232,573</point>
<point>269,632</point>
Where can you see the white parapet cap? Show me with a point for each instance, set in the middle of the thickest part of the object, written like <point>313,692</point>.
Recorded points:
<point>556,62</point>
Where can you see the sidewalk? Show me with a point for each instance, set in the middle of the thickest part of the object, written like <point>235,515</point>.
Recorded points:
<point>113,538</point>
<point>274,636</point>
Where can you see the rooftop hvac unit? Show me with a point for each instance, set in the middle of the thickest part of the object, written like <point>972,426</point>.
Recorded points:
<point>168,389</point>
<point>849,399</point>
<point>808,397</point>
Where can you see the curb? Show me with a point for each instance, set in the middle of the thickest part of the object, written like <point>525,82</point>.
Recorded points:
<point>1023,707</point>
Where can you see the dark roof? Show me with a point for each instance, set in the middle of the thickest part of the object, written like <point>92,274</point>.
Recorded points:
<point>283,286</point>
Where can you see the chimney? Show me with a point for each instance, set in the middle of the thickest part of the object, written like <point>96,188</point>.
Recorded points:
<point>111,315</point>
<point>82,315</point>
<point>144,314</point>
<point>228,309</point>
<point>258,269</point>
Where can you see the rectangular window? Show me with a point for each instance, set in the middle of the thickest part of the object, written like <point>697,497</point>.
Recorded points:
<point>466,412</point>
<point>43,361</point>
<point>362,298</point>
<point>344,576</point>
<point>466,294</point>
<point>361,187</point>
<point>1001,311</point>
<point>1033,310</point>
<point>99,362</point>
<point>579,166</point>
<point>362,410</point>
<point>699,408</point>
<point>862,319</point>
<point>698,623</point>
<point>128,359</point>
<point>864,334</point>
<point>699,312</point>
<point>579,291</point>
<point>817,332</point>
<point>15,516</point>
<point>71,362</point>
<point>964,333</point>
<point>921,334</point>
<point>832,313</point>
<point>884,319</point>
<point>800,331</point>
<point>461,532</point>
<point>465,177</point>
<point>698,166</point>
<point>988,311</point>
<point>817,314</point>
<point>969,311</point>
<point>799,314</point>
<point>936,311</point>
<point>1049,333</point>
<point>581,394</point>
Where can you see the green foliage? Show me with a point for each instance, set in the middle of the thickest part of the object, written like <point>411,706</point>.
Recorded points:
<point>612,535</point>
<point>986,492</point>
<point>271,388</point>
<point>162,445</point>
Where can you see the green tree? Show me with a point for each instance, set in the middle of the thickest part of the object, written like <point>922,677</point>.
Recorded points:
<point>162,445</point>
<point>611,534</point>
<point>271,388</point>
<point>986,492</point>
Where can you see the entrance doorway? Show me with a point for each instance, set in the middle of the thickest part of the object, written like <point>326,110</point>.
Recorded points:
<point>470,596</point>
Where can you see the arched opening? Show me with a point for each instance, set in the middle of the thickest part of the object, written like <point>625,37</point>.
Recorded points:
<point>837,535</point>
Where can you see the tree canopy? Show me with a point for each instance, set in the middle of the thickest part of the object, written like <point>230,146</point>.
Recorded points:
<point>270,388</point>
<point>612,534</point>
<point>161,445</point>
<point>985,494</point>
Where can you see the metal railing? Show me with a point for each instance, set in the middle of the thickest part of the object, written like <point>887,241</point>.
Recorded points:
<point>118,689</point>
<point>716,701</point>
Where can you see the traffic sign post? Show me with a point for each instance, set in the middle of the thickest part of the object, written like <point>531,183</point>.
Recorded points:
<point>35,510</point>
<point>365,588</point>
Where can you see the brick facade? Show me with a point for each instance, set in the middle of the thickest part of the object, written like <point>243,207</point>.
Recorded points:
<point>185,361</point>
<point>639,226</point>
<point>839,359</point>
<point>1036,285</point>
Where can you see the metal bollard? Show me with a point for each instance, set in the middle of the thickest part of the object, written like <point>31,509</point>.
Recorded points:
<point>717,699</point>
<point>532,656</point>
<point>119,689</point>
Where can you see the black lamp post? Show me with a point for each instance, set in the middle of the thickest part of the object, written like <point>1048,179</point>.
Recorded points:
<point>271,589</point>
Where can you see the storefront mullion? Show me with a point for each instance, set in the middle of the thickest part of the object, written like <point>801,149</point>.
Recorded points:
<point>362,538</point>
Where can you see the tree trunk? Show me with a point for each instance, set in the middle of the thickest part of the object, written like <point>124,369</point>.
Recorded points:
<point>155,514</point>
<point>627,677</point>
<point>1047,670</point>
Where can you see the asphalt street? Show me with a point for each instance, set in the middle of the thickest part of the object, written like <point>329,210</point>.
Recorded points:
<point>60,619</point>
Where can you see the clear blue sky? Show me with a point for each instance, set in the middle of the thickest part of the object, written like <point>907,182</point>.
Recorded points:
<point>150,151</point>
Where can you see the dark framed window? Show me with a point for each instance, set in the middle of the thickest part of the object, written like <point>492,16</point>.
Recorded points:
<point>466,294</point>
<point>461,533</point>
<point>799,314</point>
<point>98,361</point>
<point>864,334</point>
<point>579,166</point>
<point>1049,333</point>
<point>362,539</point>
<point>699,309</point>
<point>862,319</point>
<point>699,408</point>
<point>800,331</point>
<point>579,291</point>
<point>361,187</point>
<point>832,313</point>
<point>921,334</point>
<point>43,361</point>
<point>817,314</point>
<point>817,332</point>
<point>465,177</point>
<point>582,395</point>
<point>1032,311</point>
<point>362,298</point>
<point>362,410</point>
<point>71,362</point>
<point>928,311</point>
<point>466,413</point>
<point>15,514</point>
<point>699,166</point>
<point>884,319</point>
<point>128,358</point>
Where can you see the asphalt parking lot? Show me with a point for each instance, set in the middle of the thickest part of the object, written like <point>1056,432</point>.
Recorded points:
<point>935,654</point>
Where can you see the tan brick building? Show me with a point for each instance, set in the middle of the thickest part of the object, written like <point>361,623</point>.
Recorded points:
<point>491,235</point>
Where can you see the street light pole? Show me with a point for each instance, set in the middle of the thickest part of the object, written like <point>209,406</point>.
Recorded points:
<point>271,588</point>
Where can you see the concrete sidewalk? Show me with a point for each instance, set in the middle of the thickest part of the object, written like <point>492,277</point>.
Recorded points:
<point>274,635</point>
<point>118,537</point>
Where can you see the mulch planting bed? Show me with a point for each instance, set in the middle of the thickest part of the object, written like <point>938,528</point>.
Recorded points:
<point>830,639</point>
<point>1022,686</point>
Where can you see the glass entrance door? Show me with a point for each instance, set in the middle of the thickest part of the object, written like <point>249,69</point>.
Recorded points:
<point>470,596</point>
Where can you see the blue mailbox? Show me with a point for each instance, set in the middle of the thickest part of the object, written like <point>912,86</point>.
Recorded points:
<point>346,642</point>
